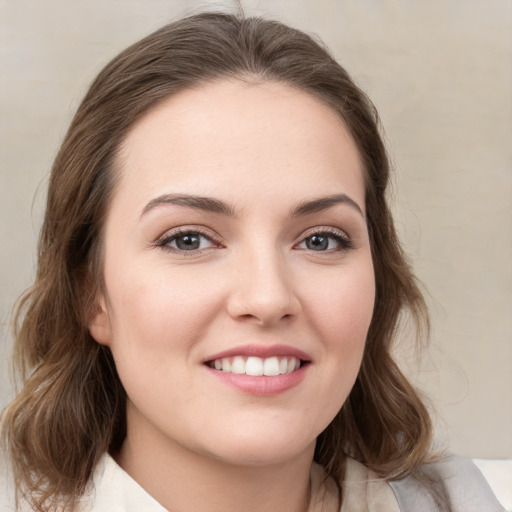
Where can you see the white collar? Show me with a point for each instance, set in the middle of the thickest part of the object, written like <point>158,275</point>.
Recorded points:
<point>113,490</point>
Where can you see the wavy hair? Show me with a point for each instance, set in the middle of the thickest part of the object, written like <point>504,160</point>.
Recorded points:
<point>71,407</point>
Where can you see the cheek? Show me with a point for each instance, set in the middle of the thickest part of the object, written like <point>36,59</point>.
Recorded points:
<point>343,304</point>
<point>158,321</point>
<point>341,311</point>
<point>156,325</point>
<point>158,309</point>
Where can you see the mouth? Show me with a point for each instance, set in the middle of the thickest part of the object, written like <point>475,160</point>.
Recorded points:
<point>260,370</point>
<point>257,366</point>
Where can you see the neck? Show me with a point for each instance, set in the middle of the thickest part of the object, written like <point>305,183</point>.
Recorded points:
<point>184,480</point>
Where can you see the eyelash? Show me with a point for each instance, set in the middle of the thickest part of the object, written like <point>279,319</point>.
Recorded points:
<point>168,238</point>
<point>341,238</point>
<point>343,241</point>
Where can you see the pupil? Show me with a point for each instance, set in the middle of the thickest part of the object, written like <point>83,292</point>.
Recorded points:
<point>317,243</point>
<point>187,242</point>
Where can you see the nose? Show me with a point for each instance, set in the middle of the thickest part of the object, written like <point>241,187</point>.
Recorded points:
<point>263,290</point>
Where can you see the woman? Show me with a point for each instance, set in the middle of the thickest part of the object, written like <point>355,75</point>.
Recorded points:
<point>219,283</point>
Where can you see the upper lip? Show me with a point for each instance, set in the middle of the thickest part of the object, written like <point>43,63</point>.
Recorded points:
<point>262,351</point>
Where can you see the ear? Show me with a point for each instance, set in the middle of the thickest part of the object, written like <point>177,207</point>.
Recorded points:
<point>99,322</point>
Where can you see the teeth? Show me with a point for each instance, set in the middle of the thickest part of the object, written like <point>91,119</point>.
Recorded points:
<point>257,366</point>
<point>271,366</point>
<point>254,366</point>
<point>238,365</point>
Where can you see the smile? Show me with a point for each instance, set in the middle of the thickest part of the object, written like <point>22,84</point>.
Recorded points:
<point>260,370</point>
<point>256,366</point>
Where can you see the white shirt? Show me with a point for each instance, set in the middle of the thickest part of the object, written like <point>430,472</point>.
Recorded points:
<point>113,490</point>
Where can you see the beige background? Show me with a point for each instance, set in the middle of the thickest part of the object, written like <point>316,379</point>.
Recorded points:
<point>440,73</point>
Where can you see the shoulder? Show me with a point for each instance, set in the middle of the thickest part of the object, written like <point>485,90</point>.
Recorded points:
<point>452,480</point>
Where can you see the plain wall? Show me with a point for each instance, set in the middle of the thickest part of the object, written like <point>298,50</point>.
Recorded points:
<point>440,73</point>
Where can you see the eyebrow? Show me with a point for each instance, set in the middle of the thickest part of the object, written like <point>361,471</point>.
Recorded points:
<point>212,205</point>
<point>208,204</point>
<point>324,203</point>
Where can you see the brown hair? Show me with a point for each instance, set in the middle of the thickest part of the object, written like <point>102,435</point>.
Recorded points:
<point>71,407</point>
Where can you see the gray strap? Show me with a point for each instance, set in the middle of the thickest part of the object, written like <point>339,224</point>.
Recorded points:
<point>455,480</point>
<point>413,496</point>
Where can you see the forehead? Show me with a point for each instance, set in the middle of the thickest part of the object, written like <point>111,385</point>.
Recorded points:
<point>232,135</point>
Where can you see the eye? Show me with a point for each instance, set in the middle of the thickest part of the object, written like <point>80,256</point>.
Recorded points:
<point>187,241</point>
<point>326,241</point>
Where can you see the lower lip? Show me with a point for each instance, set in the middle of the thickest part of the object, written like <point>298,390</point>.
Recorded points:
<point>261,385</point>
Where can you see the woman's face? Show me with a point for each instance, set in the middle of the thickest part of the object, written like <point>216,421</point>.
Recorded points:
<point>239,284</point>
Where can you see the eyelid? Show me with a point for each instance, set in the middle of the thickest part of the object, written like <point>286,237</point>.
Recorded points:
<point>342,236</point>
<point>173,233</point>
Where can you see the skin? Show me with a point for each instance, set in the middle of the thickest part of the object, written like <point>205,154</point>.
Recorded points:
<point>193,442</point>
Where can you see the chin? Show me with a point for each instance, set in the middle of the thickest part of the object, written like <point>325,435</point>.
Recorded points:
<point>259,449</point>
